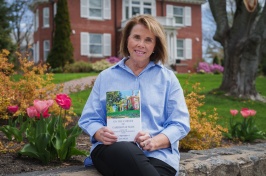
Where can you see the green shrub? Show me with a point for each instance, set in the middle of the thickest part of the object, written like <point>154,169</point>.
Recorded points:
<point>101,65</point>
<point>78,67</point>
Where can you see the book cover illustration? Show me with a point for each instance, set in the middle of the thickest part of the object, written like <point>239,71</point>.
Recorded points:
<point>123,113</point>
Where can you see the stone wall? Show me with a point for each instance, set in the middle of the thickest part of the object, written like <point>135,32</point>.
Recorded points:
<point>244,160</point>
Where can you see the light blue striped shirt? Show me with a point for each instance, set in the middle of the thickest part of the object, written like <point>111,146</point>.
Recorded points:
<point>163,106</point>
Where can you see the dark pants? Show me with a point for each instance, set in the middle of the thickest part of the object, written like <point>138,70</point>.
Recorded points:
<point>127,159</point>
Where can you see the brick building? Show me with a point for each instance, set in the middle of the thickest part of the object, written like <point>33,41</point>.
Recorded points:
<point>96,27</point>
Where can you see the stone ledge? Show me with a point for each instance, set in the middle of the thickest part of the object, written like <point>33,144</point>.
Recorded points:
<point>244,160</point>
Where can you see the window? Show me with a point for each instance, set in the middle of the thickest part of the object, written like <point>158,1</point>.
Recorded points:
<point>46,49</point>
<point>36,20</point>
<point>95,8</point>
<point>184,48</point>
<point>178,15</point>
<point>180,48</point>
<point>91,9</point>
<point>134,7</point>
<point>181,15</point>
<point>96,45</point>
<point>46,17</point>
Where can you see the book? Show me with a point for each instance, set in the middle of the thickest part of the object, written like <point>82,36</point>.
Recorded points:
<point>124,113</point>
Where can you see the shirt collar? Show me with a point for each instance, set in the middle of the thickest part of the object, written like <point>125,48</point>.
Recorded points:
<point>122,64</point>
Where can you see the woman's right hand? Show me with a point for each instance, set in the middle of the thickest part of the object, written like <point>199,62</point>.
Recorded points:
<point>105,135</point>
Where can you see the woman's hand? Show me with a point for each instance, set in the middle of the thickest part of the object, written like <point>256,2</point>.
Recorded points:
<point>146,142</point>
<point>105,135</point>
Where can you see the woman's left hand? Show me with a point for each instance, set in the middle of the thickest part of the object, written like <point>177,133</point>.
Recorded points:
<point>145,141</point>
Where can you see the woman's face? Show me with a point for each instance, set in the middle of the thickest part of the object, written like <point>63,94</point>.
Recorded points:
<point>141,43</point>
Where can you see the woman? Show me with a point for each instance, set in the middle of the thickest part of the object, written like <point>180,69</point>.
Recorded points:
<point>164,114</point>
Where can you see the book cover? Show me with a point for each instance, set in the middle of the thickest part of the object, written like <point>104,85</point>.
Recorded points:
<point>124,113</point>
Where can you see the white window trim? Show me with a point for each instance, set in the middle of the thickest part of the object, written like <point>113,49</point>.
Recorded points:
<point>45,50</point>
<point>85,45</point>
<point>36,20</point>
<point>188,48</point>
<point>129,4</point>
<point>36,52</point>
<point>46,16</point>
<point>55,8</point>
<point>106,10</point>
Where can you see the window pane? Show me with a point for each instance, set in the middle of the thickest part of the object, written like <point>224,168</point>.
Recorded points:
<point>135,10</point>
<point>147,11</point>
<point>147,3</point>
<point>95,4</point>
<point>180,43</point>
<point>180,53</point>
<point>95,12</point>
<point>135,2</point>
<point>96,38</point>
<point>95,49</point>
<point>179,20</point>
<point>178,11</point>
<point>127,12</point>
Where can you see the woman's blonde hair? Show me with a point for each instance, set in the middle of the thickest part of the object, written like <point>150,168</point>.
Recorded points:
<point>160,49</point>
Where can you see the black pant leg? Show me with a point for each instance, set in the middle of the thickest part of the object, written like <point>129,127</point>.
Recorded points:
<point>163,168</point>
<point>122,159</point>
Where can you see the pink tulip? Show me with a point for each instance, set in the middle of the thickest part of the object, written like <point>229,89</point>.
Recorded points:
<point>63,100</point>
<point>32,112</point>
<point>12,109</point>
<point>252,112</point>
<point>233,112</point>
<point>44,115</point>
<point>245,112</point>
<point>42,106</point>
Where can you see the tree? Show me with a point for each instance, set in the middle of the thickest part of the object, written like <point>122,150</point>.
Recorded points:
<point>244,45</point>
<point>22,23</point>
<point>5,28</point>
<point>62,49</point>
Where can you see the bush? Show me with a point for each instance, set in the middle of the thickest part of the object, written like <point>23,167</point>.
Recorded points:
<point>204,67</point>
<point>78,67</point>
<point>204,133</point>
<point>34,83</point>
<point>101,65</point>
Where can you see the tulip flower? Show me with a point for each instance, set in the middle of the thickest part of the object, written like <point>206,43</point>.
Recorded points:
<point>245,130</point>
<point>32,112</point>
<point>44,115</point>
<point>233,112</point>
<point>64,101</point>
<point>12,109</point>
<point>42,106</point>
<point>245,112</point>
<point>252,112</point>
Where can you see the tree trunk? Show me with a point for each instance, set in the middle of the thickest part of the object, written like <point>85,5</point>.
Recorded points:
<point>242,48</point>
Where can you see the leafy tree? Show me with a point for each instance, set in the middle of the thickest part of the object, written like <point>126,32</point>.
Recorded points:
<point>243,41</point>
<point>62,49</point>
<point>5,28</point>
<point>22,24</point>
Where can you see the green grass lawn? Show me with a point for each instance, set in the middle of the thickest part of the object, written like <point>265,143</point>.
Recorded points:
<point>63,77</point>
<point>223,104</point>
<point>208,82</point>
